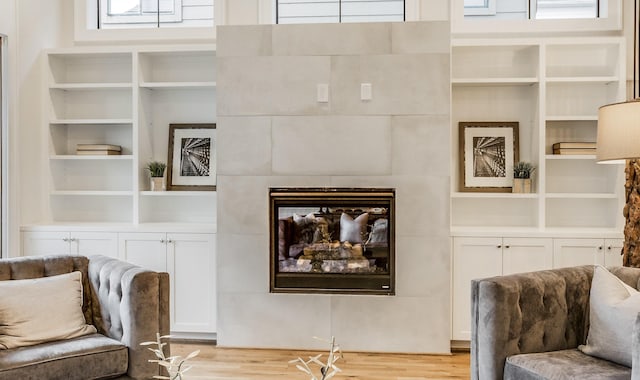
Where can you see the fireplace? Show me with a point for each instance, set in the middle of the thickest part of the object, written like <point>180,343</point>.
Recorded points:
<point>332,240</point>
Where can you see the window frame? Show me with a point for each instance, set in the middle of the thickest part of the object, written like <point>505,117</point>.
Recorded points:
<point>610,20</point>
<point>141,18</point>
<point>85,15</point>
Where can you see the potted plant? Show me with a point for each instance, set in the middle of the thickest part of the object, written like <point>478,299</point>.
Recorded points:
<point>156,170</point>
<point>522,177</point>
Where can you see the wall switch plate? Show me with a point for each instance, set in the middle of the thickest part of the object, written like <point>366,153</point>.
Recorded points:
<point>366,91</point>
<point>322,93</point>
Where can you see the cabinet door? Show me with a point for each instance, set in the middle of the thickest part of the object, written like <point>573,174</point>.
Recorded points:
<point>613,252</point>
<point>43,243</point>
<point>148,250</point>
<point>472,258</point>
<point>95,243</point>
<point>192,265</point>
<point>575,252</point>
<point>526,254</point>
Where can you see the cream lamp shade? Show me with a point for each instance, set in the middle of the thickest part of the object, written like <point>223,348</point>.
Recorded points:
<point>618,131</point>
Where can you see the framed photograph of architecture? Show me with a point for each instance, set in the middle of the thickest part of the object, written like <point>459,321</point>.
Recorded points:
<point>191,161</point>
<point>488,151</point>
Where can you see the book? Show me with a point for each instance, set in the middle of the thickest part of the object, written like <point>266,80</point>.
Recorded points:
<point>574,151</point>
<point>574,145</point>
<point>80,147</point>
<point>104,152</point>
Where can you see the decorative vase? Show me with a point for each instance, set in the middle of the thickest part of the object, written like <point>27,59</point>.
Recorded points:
<point>521,185</point>
<point>158,184</point>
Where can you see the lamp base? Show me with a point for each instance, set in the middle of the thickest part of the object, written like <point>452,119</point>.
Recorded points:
<point>631,212</point>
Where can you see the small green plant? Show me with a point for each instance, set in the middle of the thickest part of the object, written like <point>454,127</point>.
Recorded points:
<point>174,365</point>
<point>523,170</point>
<point>156,168</point>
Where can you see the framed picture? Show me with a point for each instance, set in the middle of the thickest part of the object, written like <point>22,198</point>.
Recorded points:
<point>488,151</point>
<point>192,157</point>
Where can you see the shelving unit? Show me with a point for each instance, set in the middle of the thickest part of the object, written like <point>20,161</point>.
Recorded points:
<point>553,88</point>
<point>487,86</point>
<point>102,204</point>
<point>124,97</point>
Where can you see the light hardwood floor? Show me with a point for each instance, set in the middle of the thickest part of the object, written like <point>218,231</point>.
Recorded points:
<point>217,363</point>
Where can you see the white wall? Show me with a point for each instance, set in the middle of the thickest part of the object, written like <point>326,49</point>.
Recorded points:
<point>8,29</point>
<point>31,26</point>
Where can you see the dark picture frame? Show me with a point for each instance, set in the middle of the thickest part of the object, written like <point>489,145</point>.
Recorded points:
<point>191,163</point>
<point>488,151</point>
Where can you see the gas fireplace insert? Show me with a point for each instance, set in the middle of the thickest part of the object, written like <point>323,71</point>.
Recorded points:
<point>332,240</point>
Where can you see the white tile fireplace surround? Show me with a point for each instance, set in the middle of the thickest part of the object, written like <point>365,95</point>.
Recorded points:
<point>274,133</point>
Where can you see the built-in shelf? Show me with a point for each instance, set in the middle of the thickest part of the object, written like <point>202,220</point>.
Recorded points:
<point>90,157</point>
<point>553,88</point>
<point>494,195</point>
<point>571,117</point>
<point>178,193</point>
<point>125,96</point>
<point>91,121</point>
<point>89,86</point>
<point>570,156</point>
<point>581,195</point>
<point>493,81</point>
<point>603,79</point>
<point>99,193</point>
<point>178,85</point>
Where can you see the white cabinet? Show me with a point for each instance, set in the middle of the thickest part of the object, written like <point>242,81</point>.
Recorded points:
<point>613,252</point>
<point>472,258</point>
<point>480,257</point>
<point>553,88</point>
<point>126,97</point>
<point>574,252</point>
<point>526,255</point>
<point>145,249</point>
<point>190,260</point>
<point>69,243</point>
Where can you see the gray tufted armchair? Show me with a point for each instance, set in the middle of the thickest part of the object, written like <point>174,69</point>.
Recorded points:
<point>529,325</point>
<point>126,304</point>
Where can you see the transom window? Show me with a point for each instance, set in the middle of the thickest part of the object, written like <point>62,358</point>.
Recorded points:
<point>326,11</point>
<point>533,9</point>
<point>154,13</point>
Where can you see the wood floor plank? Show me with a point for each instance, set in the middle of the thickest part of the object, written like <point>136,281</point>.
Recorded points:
<point>216,363</point>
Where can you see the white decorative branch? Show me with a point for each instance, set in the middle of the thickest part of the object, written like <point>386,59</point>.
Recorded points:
<point>328,369</point>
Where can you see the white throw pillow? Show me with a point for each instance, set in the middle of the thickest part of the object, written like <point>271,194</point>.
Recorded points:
<point>41,310</point>
<point>351,230</point>
<point>613,308</point>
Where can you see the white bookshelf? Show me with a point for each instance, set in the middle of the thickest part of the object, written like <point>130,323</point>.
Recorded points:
<point>553,88</point>
<point>125,97</point>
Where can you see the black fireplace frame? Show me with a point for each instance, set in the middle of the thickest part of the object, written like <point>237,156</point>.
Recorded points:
<point>331,283</point>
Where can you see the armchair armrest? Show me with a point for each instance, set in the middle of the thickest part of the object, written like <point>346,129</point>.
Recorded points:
<point>130,304</point>
<point>525,313</point>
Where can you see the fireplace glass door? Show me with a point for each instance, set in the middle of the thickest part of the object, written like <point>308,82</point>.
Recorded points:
<point>332,240</point>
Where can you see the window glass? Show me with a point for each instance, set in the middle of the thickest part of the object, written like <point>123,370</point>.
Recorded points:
<point>323,11</point>
<point>558,9</point>
<point>533,9</point>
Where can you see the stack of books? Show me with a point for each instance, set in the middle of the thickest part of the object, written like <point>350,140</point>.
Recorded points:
<point>574,148</point>
<point>98,149</point>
